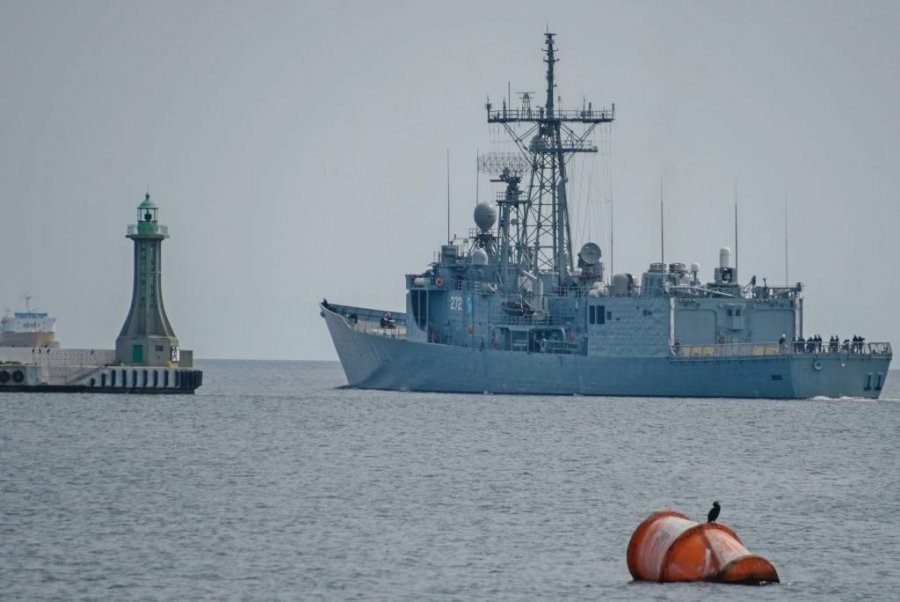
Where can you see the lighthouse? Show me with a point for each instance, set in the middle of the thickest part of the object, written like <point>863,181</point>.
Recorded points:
<point>147,337</point>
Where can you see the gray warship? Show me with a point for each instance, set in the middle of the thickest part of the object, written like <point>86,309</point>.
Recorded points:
<point>511,310</point>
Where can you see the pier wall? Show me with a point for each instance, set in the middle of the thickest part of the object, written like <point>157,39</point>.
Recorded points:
<point>94,368</point>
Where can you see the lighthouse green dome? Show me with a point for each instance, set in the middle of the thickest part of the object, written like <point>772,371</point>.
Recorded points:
<point>147,204</point>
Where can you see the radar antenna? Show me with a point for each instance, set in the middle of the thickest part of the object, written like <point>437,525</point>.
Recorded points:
<point>497,163</point>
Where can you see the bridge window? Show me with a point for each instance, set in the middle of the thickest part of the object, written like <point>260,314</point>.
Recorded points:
<point>597,314</point>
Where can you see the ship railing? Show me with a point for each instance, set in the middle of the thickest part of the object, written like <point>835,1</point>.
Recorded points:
<point>499,317</point>
<point>565,347</point>
<point>587,115</point>
<point>471,286</point>
<point>770,349</point>
<point>632,291</point>
<point>383,326</point>
<point>882,348</point>
<point>396,331</point>
<point>727,350</point>
<point>775,292</point>
<point>372,321</point>
<point>845,347</point>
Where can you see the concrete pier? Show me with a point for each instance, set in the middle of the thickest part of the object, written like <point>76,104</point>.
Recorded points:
<point>147,357</point>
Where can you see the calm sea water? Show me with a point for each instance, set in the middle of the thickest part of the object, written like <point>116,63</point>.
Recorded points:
<point>271,483</point>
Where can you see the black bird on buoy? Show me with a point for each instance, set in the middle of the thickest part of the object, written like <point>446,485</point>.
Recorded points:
<point>713,513</point>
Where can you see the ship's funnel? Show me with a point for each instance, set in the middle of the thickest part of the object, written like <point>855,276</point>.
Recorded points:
<point>669,547</point>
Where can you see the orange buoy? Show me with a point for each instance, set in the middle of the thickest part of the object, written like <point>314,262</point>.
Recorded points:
<point>668,547</point>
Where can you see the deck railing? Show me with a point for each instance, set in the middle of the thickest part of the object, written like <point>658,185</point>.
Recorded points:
<point>768,349</point>
<point>384,328</point>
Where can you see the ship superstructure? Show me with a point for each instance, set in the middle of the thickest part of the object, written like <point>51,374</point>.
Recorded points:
<point>28,328</point>
<point>513,310</point>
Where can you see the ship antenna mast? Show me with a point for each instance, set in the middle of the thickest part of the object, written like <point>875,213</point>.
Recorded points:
<point>786,278</point>
<point>448,195</point>
<point>547,137</point>
<point>662,225</point>
<point>736,272</point>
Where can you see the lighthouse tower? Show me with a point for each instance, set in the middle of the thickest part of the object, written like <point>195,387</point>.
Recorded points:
<point>147,338</point>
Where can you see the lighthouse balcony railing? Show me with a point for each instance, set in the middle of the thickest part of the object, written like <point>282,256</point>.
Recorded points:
<point>134,229</point>
<point>879,349</point>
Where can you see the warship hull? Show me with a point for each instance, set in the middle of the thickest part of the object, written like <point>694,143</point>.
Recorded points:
<point>388,361</point>
<point>513,308</point>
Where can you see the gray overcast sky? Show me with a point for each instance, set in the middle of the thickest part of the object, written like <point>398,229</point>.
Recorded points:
<point>297,149</point>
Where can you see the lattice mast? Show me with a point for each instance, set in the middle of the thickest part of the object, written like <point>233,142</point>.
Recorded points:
<point>541,237</point>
